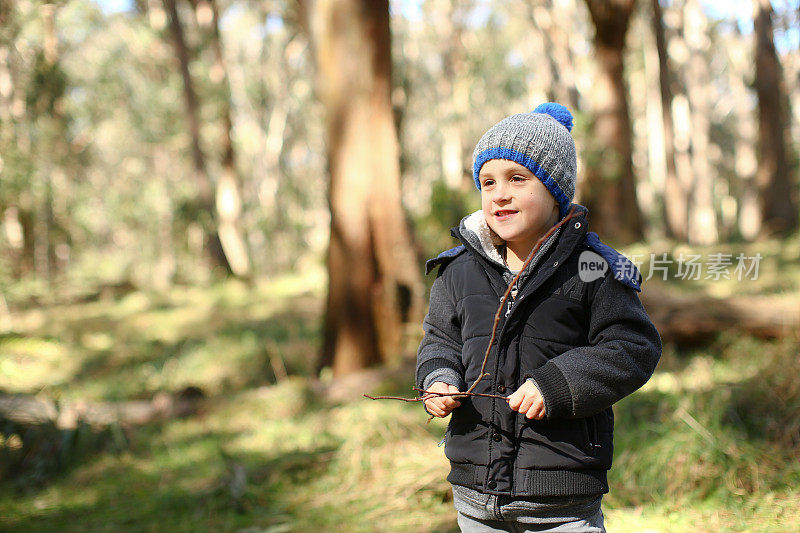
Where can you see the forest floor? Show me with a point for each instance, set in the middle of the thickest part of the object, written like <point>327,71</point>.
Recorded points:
<point>711,443</point>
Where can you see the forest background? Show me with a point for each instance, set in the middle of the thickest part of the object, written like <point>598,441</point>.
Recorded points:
<point>214,217</point>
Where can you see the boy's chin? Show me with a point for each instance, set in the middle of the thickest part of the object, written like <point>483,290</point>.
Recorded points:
<point>503,237</point>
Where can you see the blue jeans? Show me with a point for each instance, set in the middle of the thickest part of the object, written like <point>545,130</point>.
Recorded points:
<point>557,515</point>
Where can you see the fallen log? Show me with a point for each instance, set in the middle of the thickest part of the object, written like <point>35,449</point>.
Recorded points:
<point>27,410</point>
<point>695,318</point>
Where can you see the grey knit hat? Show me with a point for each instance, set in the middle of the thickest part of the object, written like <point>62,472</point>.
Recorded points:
<point>539,141</point>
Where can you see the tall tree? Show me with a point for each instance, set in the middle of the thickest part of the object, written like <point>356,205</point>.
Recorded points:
<point>228,190</point>
<point>552,25</point>
<point>738,53</point>
<point>453,93</point>
<point>46,108</point>
<point>16,201</point>
<point>675,204</point>
<point>702,214</point>
<point>374,281</point>
<point>774,176</point>
<point>206,207</point>
<point>609,190</point>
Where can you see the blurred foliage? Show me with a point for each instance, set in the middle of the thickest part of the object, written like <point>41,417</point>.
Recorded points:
<point>47,86</point>
<point>32,457</point>
<point>447,208</point>
<point>95,160</point>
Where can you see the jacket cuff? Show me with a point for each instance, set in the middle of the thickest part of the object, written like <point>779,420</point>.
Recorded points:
<point>554,389</point>
<point>434,364</point>
<point>445,375</point>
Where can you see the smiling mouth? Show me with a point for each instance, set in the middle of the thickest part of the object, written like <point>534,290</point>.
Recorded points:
<point>504,214</point>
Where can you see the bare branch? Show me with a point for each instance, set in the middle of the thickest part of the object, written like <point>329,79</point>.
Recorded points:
<point>503,301</point>
<point>430,394</point>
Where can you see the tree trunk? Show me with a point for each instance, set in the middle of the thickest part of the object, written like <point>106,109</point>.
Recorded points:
<point>552,24</point>
<point>52,153</point>
<point>375,283</point>
<point>646,124</point>
<point>18,218</point>
<point>693,318</point>
<point>229,195</point>
<point>205,189</point>
<point>609,190</point>
<point>746,134</point>
<point>681,112</point>
<point>702,213</point>
<point>453,95</point>
<point>30,411</point>
<point>675,195</point>
<point>540,87</point>
<point>775,178</point>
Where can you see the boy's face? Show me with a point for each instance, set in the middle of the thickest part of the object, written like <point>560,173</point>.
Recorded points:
<point>517,206</point>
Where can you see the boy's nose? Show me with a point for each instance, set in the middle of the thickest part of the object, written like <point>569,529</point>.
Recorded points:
<point>501,192</point>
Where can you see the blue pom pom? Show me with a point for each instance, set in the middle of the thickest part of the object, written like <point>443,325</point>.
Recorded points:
<point>558,112</point>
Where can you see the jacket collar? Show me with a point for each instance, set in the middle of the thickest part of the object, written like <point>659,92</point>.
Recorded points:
<point>476,236</point>
<point>475,233</point>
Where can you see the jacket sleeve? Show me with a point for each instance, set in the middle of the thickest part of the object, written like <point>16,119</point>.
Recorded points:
<point>439,354</point>
<point>624,348</point>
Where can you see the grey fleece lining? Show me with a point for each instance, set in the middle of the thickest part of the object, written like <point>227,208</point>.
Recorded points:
<point>475,229</point>
<point>477,232</point>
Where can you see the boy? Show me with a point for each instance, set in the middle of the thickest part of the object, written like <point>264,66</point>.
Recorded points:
<point>570,343</point>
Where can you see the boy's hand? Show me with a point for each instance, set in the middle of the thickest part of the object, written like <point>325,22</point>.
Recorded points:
<point>441,406</point>
<point>528,400</point>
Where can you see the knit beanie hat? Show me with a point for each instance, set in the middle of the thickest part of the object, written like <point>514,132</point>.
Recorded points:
<point>539,141</point>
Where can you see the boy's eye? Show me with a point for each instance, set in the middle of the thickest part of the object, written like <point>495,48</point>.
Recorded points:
<point>518,178</point>
<point>487,182</point>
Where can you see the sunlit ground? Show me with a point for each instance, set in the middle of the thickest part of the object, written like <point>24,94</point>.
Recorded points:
<point>710,444</point>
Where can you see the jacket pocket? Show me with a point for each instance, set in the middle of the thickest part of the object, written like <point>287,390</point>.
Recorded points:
<point>555,444</point>
<point>467,434</point>
<point>591,435</point>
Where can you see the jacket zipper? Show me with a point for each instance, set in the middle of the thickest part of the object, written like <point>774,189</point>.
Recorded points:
<point>591,432</point>
<point>501,329</point>
<point>514,291</point>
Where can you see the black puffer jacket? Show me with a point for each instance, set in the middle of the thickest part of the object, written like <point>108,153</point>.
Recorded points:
<point>586,344</point>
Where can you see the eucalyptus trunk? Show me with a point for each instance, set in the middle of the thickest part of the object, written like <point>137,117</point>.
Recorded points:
<point>229,188</point>
<point>205,189</point>
<point>775,178</point>
<point>675,195</point>
<point>609,190</point>
<point>374,280</point>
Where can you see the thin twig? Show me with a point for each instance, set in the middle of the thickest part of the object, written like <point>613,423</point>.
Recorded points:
<point>460,394</point>
<point>427,394</point>
<point>504,299</point>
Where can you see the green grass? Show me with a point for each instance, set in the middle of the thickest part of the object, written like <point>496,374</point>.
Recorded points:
<point>710,444</point>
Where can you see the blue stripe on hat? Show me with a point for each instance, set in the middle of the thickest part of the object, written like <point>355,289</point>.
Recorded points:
<point>524,160</point>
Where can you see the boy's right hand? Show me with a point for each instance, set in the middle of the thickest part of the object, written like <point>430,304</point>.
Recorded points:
<point>441,406</point>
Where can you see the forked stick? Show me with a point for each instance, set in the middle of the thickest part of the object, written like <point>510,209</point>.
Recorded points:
<point>503,300</point>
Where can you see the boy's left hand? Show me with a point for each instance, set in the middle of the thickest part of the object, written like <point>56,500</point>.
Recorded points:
<point>528,400</point>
